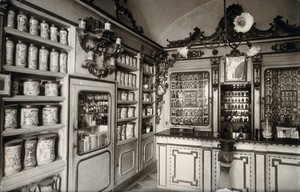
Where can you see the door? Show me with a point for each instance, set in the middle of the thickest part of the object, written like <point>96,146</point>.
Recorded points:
<point>92,109</point>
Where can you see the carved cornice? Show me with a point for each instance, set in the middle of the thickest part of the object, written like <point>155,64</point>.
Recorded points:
<point>286,47</point>
<point>225,33</point>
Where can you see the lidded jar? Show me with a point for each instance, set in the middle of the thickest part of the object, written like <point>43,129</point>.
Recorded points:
<point>63,36</point>
<point>12,156</point>
<point>33,26</point>
<point>267,126</point>
<point>53,33</point>
<point>11,117</point>
<point>22,21</point>
<point>30,152</point>
<point>51,88</point>
<point>44,27</point>
<point>32,57</point>
<point>21,54</point>
<point>9,55</point>
<point>29,116</point>
<point>45,152</point>
<point>31,87</point>
<point>11,15</point>
<point>43,59</point>
<point>54,61</point>
<point>50,115</point>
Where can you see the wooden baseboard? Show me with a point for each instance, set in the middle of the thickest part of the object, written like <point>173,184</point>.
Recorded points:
<point>134,178</point>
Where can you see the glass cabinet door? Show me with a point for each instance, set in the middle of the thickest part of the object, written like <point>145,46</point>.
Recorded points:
<point>93,121</point>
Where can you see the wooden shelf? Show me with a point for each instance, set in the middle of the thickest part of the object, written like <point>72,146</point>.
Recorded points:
<point>26,177</point>
<point>148,74</point>
<point>127,119</point>
<point>126,102</point>
<point>126,67</point>
<point>24,98</point>
<point>127,88</point>
<point>27,37</point>
<point>126,141</point>
<point>20,131</point>
<point>147,102</point>
<point>148,116</point>
<point>148,90</point>
<point>15,69</point>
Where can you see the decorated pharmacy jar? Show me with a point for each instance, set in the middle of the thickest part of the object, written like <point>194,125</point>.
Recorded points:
<point>12,156</point>
<point>54,61</point>
<point>50,115</point>
<point>30,152</point>
<point>31,87</point>
<point>11,117</point>
<point>33,26</point>
<point>32,57</point>
<point>44,27</point>
<point>51,88</point>
<point>45,152</point>
<point>11,18</point>
<point>22,21</point>
<point>21,54</point>
<point>43,59</point>
<point>63,59</point>
<point>63,34</point>
<point>9,56</point>
<point>29,116</point>
<point>53,33</point>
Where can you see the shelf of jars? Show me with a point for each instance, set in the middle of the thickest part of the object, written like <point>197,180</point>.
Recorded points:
<point>147,102</point>
<point>147,116</point>
<point>121,102</point>
<point>126,132</point>
<point>126,67</point>
<point>30,175</point>
<point>32,130</point>
<point>148,90</point>
<point>126,119</point>
<point>24,98</point>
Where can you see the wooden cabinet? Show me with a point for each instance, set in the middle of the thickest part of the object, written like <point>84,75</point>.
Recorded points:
<point>24,95</point>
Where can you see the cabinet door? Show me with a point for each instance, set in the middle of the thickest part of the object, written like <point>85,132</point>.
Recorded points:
<point>283,172</point>
<point>184,168</point>
<point>126,164</point>
<point>148,151</point>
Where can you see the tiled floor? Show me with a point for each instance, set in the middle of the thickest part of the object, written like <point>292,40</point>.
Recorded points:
<point>147,183</point>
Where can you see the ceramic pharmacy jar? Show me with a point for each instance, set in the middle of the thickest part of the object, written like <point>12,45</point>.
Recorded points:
<point>51,88</point>
<point>53,33</point>
<point>54,61</point>
<point>21,54</point>
<point>31,87</point>
<point>45,152</point>
<point>11,15</point>
<point>32,57</point>
<point>9,56</point>
<point>12,156</point>
<point>44,27</point>
<point>33,26</point>
<point>50,114</point>
<point>63,59</point>
<point>29,116</point>
<point>30,152</point>
<point>63,36</point>
<point>43,59</point>
<point>22,21</point>
<point>10,117</point>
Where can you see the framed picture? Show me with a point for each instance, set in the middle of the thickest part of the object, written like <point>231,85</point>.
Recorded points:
<point>4,84</point>
<point>235,68</point>
<point>287,133</point>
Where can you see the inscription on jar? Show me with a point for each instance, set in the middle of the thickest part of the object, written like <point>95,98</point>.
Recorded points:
<point>21,54</point>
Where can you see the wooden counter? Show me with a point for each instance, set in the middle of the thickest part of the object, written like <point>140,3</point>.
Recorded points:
<point>190,162</point>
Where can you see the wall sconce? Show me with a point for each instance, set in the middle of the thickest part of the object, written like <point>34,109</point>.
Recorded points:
<point>98,41</point>
<point>215,62</point>
<point>257,60</point>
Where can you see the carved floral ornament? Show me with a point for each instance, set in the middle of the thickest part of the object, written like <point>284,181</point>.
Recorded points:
<point>98,41</point>
<point>235,27</point>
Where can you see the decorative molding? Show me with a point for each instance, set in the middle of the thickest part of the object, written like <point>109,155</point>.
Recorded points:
<point>286,47</point>
<point>121,10</point>
<point>121,159</point>
<point>215,64</point>
<point>245,160</point>
<point>257,62</point>
<point>279,28</point>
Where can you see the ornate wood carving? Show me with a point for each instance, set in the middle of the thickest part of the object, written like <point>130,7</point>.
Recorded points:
<point>257,61</point>
<point>225,33</point>
<point>121,10</point>
<point>286,47</point>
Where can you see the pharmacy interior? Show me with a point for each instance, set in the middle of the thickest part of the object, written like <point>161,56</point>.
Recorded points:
<point>95,94</point>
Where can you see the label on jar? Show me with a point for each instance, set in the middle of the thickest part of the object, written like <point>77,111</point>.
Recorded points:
<point>9,56</point>
<point>21,54</point>
<point>54,60</point>
<point>22,21</point>
<point>33,26</point>
<point>43,59</point>
<point>32,57</point>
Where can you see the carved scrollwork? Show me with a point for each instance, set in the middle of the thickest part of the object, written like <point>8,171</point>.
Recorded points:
<point>286,47</point>
<point>225,32</point>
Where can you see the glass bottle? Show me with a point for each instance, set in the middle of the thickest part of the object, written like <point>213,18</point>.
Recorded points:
<point>267,128</point>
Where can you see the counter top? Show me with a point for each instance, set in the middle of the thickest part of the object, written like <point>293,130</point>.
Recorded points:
<point>204,135</point>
